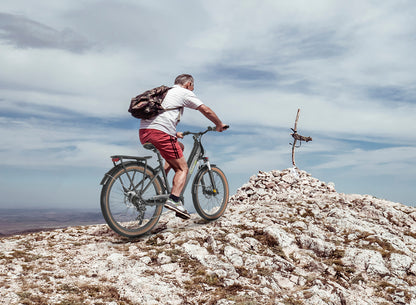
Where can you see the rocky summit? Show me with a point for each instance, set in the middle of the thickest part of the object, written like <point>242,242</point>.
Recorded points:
<point>286,238</point>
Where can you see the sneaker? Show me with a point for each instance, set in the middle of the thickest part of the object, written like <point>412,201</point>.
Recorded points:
<point>183,216</point>
<point>178,208</point>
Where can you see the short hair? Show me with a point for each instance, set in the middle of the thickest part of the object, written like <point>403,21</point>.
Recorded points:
<point>183,79</point>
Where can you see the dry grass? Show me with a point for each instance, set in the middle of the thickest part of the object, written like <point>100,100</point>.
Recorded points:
<point>269,242</point>
<point>410,233</point>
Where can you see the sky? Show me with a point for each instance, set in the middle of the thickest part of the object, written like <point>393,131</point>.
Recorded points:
<point>68,70</point>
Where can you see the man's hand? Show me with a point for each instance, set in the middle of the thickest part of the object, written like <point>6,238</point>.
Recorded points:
<point>221,127</point>
<point>179,135</point>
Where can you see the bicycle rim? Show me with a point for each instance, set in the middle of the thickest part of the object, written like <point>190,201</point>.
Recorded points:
<point>210,204</point>
<point>122,201</point>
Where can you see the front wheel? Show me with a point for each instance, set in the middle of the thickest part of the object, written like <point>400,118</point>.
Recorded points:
<point>210,193</point>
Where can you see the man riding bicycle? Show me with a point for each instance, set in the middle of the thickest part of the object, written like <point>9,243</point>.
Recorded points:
<point>161,132</point>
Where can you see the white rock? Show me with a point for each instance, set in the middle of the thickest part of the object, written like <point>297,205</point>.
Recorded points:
<point>281,236</point>
<point>146,260</point>
<point>289,179</point>
<point>196,251</point>
<point>116,259</point>
<point>412,269</point>
<point>366,260</point>
<point>320,247</point>
<point>300,224</point>
<point>399,264</point>
<point>283,282</point>
<point>172,267</point>
<point>222,269</point>
<point>163,259</point>
<point>261,191</point>
<point>234,256</point>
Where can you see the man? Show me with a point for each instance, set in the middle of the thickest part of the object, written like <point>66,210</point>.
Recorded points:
<point>161,132</point>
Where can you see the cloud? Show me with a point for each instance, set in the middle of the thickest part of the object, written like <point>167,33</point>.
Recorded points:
<point>88,83</point>
<point>23,32</point>
<point>45,144</point>
<point>386,161</point>
<point>397,94</point>
<point>69,69</point>
<point>149,29</point>
<point>238,75</point>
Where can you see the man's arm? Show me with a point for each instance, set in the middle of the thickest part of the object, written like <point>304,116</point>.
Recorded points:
<point>210,115</point>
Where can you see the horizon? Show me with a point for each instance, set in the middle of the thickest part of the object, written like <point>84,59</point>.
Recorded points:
<point>67,78</point>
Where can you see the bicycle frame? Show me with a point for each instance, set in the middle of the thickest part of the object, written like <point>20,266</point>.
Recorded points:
<point>197,154</point>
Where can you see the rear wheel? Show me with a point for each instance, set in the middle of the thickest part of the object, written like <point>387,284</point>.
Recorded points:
<point>123,200</point>
<point>210,202</point>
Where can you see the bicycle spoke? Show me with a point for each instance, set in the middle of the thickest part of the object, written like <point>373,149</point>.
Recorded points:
<point>210,203</point>
<point>125,207</point>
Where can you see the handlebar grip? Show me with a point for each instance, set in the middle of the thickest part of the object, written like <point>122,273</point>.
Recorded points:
<point>214,128</point>
<point>185,133</point>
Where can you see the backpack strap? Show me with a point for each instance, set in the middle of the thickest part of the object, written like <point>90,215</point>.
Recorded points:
<point>167,109</point>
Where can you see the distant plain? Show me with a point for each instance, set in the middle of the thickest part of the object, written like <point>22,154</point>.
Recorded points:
<point>20,221</point>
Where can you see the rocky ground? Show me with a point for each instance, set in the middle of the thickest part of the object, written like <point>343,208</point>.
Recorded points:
<point>286,238</point>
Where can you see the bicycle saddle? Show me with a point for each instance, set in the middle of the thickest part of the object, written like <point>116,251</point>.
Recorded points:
<point>149,146</point>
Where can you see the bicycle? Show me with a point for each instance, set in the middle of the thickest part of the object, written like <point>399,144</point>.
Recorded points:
<point>133,193</point>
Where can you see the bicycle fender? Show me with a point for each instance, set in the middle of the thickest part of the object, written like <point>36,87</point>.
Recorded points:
<point>202,168</point>
<point>110,173</point>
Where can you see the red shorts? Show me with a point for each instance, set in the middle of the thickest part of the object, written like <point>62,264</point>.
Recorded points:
<point>167,145</point>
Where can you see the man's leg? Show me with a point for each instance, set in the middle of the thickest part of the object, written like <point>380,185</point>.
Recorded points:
<point>174,203</point>
<point>167,166</point>
<point>181,171</point>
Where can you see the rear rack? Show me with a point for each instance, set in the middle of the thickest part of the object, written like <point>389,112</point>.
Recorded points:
<point>121,157</point>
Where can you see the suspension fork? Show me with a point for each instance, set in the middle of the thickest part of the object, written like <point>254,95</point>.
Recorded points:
<point>211,176</point>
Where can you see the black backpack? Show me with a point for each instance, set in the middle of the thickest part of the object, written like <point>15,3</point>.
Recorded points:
<point>149,103</point>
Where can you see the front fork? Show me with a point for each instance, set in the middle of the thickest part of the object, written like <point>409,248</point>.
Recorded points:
<point>211,177</point>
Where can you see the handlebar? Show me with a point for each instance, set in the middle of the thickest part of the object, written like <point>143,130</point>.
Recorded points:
<point>209,128</point>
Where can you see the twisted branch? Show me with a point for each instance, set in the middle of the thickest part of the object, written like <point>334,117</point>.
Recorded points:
<point>297,137</point>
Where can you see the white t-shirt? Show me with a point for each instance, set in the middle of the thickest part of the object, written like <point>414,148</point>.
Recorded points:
<point>177,97</point>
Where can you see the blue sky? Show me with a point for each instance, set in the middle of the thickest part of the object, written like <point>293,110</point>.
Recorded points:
<point>69,68</point>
